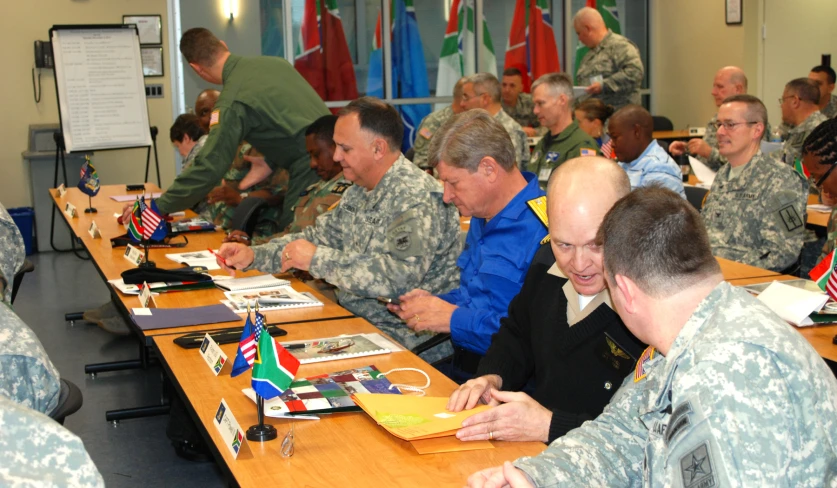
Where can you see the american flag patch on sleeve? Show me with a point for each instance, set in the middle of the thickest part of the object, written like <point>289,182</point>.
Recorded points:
<point>640,372</point>
<point>588,152</point>
<point>215,117</point>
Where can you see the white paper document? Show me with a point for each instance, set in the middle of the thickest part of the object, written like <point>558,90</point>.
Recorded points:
<point>702,172</point>
<point>819,207</point>
<point>792,304</point>
<point>131,198</point>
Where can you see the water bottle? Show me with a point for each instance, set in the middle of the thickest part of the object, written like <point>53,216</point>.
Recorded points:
<point>776,135</point>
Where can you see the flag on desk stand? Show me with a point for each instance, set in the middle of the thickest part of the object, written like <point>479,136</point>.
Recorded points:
<point>89,182</point>
<point>274,368</point>
<point>246,349</point>
<point>153,225</point>
<point>800,168</point>
<point>823,273</point>
<point>134,225</point>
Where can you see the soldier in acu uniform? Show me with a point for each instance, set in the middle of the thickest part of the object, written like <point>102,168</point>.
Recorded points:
<point>390,233</point>
<point>756,209</point>
<point>430,124</point>
<point>727,394</point>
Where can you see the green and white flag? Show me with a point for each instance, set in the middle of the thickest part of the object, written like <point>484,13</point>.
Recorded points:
<point>610,14</point>
<point>458,57</point>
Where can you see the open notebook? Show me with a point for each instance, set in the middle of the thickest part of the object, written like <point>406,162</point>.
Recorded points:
<point>273,298</point>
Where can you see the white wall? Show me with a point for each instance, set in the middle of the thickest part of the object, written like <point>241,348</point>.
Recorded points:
<point>798,33</point>
<point>28,21</point>
<point>242,35</point>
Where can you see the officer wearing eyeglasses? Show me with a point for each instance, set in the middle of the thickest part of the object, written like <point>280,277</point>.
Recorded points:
<point>756,210</point>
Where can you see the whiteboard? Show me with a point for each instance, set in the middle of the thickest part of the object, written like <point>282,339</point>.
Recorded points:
<point>100,86</point>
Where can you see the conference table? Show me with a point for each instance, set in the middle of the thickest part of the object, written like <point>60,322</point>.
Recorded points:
<point>820,336</point>
<point>338,446</point>
<point>817,217</point>
<point>109,262</point>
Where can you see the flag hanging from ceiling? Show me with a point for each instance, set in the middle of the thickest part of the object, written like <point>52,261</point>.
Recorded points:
<point>610,14</point>
<point>532,48</point>
<point>322,55</point>
<point>409,70</point>
<point>459,53</point>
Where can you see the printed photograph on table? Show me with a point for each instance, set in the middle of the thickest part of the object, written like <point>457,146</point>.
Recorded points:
<point>327,393</point>
<point>323,349</point>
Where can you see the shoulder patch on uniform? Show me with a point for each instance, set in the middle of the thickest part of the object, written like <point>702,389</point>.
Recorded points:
<point>586,151</point>
<point>647,355</point>
<point>790,217</point>
<point>696,468</point>
<point>545,240</point>
<point>215,118</point>
<point>341,187</point>
<point>426,133</point>
<point>538,206</point>
<point>553,156</point>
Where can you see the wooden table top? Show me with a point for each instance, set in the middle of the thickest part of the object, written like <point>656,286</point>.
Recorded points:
<point>328,451</point>
<point>110,263</point>
<point>820,336</point>
<point>816,217</point>
<point>672,134</point>
<point>736,271</point>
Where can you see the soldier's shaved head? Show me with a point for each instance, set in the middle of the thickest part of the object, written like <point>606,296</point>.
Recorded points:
<point>734,75</point>
<point>580,193</point>
<point>590,17</point>
<point>583,180</point>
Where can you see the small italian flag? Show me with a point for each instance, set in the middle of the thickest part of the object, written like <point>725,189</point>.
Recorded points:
<point>823,274</point>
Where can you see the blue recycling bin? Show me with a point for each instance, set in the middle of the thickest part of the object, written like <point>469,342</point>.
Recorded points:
<point>24,218</point>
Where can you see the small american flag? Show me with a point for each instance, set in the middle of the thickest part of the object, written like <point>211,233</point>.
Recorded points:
<point>215,117</point>
<point>607,148</point>
<point>150,220</point>
<point>259,325</point>
<point>647,355</point>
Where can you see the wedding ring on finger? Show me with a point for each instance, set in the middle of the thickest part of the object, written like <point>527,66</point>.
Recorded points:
<point>490,435</point>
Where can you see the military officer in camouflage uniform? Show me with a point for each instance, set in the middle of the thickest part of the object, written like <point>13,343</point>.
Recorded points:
<point>430,124</point>
<point>825,78</point>
<point>390,233</point>
<point>27,376</point>
<point>482,90</point>
<point>755,212</point>
<point>265,102</point>
<point>729,81</point>
<point>41,452</point>
<point>319,197</point>
<point>517,103</point>
<point>800,111</point>
<point>727,395</point>
<point>612,69</point>
<point>12,254</point>
<point>564,140</point>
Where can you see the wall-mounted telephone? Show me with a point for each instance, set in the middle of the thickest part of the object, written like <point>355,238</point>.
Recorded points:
<point>43,54</point>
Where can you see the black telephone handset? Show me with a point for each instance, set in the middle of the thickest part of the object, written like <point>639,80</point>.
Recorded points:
<point>43,54</point>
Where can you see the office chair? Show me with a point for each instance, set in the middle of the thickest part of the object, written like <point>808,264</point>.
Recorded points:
<point>69,401</point>
<point>28,267</point>
<point>662,122</point>
<point>247,214</point>
<point>695,196</point>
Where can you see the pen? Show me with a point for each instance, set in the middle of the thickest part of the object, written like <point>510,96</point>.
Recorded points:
<point>295,346</point>
<point>217,256</point>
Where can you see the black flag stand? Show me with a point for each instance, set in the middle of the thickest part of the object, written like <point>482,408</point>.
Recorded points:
<point>147,263</point>
<point>261,432</point>
<point>90,208</point>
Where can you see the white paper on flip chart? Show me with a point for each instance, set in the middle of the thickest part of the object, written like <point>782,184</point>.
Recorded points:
<point>792,304</point>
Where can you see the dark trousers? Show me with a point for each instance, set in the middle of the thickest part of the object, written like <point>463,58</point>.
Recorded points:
<point>460,367</point>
